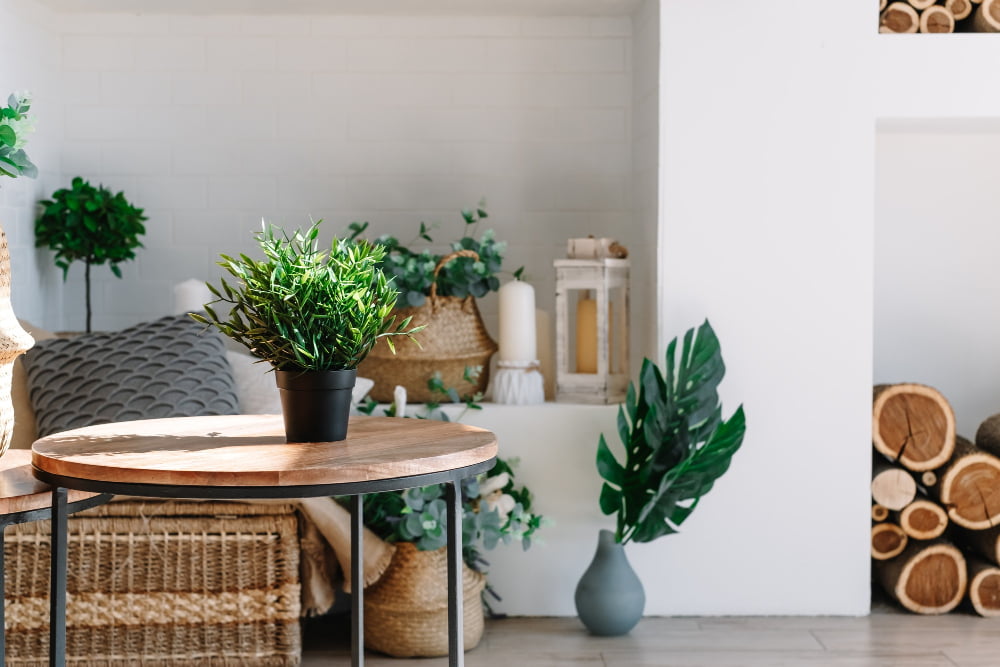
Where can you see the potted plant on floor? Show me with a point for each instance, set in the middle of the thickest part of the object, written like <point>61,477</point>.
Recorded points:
<point>313,315</point>
<point>89,224</point>
<point>406,610</point>
<point>676,445</point>
<point>440,291</point>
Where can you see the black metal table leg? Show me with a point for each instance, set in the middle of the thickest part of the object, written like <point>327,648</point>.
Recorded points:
<point>456,633</point>
<point>57,594</point>
<point>357,582</point>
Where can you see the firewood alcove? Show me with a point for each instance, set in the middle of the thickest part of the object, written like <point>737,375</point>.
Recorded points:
<point>935,538</point>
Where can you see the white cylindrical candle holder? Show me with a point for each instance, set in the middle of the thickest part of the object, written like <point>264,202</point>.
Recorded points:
<point>191,296</point>
<point>517,322</point>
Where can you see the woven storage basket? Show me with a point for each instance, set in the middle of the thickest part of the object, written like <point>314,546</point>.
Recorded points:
<point>406,611</point>
<point>454,339</point>
<point>170,583</point>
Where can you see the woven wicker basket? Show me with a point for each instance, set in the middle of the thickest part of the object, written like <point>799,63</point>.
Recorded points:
<point>454,339</point>
<point>406,611</point>
<point>175,584</point>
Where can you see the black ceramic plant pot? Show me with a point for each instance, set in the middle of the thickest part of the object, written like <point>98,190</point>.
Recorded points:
<point>315,404</point>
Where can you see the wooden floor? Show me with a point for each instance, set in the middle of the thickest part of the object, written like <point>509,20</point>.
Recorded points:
<point>879,640</point>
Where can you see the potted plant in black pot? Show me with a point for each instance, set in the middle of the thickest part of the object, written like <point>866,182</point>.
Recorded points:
<point>314,315</point>
<point>676,445</point>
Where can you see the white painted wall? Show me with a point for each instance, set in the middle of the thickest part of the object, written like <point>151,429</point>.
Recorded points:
<point>645,178</point>
<point>937,281</point>
<point>211,122</point>
<point>29,61</point>
<point>767,138</point>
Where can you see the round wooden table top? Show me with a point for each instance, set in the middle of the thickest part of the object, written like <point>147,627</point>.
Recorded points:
<point>250,450</point>
<point>20,491</point>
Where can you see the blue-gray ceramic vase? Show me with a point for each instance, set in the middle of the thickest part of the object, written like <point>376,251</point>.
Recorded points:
<point>609,597</point>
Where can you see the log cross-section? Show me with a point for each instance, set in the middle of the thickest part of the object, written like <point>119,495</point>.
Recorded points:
<point>987,18</point>
<point>960,9</point>
<point>937,19</point>
<point>927,578</point>
<point>892,487</point>
<point>923,520</point>
<point>899,17</point>
<point>984,587</point>
<point>888,541</point>
<point>913,425</point>
<point>969,487</point>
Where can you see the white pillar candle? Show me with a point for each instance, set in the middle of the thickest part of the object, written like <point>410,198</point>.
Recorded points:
<point>191,296</point>
<point>517,322</point>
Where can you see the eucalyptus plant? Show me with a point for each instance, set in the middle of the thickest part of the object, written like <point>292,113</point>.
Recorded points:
<point>413,270</point>
<point>15,125</point>
<point>303,308</point>
<point>676,442</point>
<point>92,225</point>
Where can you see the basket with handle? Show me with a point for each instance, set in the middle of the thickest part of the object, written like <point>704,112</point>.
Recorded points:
<point>454,339</point>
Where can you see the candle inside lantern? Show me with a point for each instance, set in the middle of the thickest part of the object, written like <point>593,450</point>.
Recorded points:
<point>586,334</point>
<point>517,322</point>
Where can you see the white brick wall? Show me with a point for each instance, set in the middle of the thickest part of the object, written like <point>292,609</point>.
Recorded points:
<point>29,55</point>
<point>212,122</point>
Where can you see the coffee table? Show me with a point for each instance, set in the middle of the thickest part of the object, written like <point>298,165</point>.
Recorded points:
<point>246,457</point>
<point>24,498</point>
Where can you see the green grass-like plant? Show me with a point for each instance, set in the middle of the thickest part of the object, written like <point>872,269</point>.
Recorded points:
<point>306,309</point>
<point>676,442</point>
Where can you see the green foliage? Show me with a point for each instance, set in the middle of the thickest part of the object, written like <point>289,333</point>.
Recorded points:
<point>89,224</point>
<point>676,442</point>
<point>305,309</point>
<point>420,515</point>
<point>15,125</point>
<point>92,225</point>
<point>495,509</point>
<point>413,270</point>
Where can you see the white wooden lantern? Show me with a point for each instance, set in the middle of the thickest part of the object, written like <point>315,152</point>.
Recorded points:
<point>592,306</point>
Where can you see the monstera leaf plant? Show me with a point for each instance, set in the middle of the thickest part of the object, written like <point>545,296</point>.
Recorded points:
<point>676,441</point>
<point>676,445</point>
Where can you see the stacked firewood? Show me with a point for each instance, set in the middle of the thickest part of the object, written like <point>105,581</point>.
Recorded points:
<point>939,16</point>
<point>935,503</point>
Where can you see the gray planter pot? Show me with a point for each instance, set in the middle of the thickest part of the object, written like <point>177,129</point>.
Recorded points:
<point>609,597</point>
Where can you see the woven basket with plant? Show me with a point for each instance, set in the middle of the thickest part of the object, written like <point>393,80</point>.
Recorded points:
<point>406,611</point>
<point>439,291</point>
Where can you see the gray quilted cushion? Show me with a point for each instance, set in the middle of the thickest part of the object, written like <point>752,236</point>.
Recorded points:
<point>171,367</point>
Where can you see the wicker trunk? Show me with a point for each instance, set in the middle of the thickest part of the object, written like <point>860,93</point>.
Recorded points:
<point>162,583</point>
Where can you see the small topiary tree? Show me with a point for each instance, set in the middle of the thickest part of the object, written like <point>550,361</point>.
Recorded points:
<point>89,224</point>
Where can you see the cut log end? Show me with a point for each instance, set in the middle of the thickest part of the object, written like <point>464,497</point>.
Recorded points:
<point>893,488</point>
<point>888,541</point>
<point>925,578</point>
<point>984,588</point>
<point>937,19</point>
<point>970,489</point>
<point>913,424</point>
<point>899,17</point>
<point>923,520</point>
<point>921,4</point>
<point>879,513</point>
<point>987,17</point>
<point>928,479</point>
<point>960,9</point>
